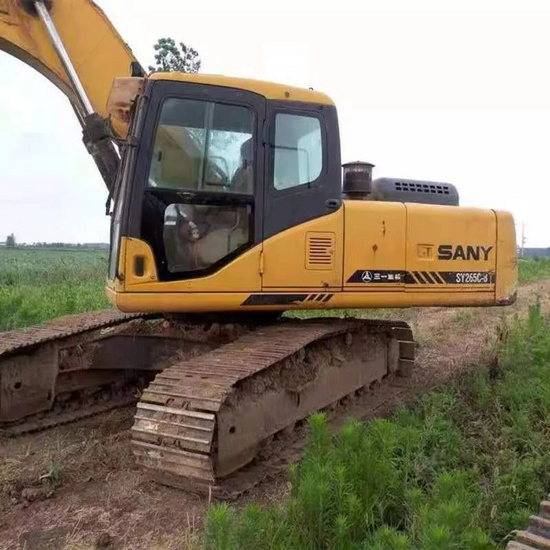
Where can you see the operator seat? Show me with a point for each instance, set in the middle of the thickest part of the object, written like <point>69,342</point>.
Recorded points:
<point>243,179</point>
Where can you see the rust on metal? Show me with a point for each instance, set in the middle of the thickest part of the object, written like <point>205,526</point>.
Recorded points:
<point>61,327</point>
<point>226,407</point>
<point>123,95</point>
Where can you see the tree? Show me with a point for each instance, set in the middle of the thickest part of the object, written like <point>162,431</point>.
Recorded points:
<point>10,241</point>
<point>170,57</point>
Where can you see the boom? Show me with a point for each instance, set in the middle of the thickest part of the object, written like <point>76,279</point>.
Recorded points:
<point>95,51</point>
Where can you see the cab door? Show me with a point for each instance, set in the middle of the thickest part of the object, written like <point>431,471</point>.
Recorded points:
<point>303,214</point>
<point>197,188</point>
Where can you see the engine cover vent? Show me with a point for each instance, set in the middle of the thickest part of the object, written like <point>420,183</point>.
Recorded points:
<point>405,190</point>
<point>440,189</point>
<point>320,250</point>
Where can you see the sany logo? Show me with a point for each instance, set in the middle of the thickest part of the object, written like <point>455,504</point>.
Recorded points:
<point>467,252</point>
<point>366,277</point>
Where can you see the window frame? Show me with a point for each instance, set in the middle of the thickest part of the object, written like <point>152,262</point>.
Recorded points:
<point>205,197</point>
<point>156,93</point>
<point>221,262</point>
<point>270,164</point>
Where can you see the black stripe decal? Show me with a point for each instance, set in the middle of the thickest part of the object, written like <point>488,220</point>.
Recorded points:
<point>327,298</point>
<point>438,277</point>
<point>428,277</point>
<point>419,277</point>
<point>274,299</point>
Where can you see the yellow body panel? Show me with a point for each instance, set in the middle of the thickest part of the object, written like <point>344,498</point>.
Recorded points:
<point>367,254</point>
<point>270,90</point>
<point>430,226</point>
<point>96,49</point>
<point>444,256</point>
<point>241,275</point>
<point>285,256</point>
<point>375,240</point>
<point>507,262</point>
<point>197,302</point>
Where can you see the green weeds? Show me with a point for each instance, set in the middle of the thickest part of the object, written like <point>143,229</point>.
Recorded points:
<point>459,471</point>
<point>38,285</point>
<point>533,269</point>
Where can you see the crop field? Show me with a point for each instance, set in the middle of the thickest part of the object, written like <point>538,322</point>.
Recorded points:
<point>40,284</point>
<point>531,270</point>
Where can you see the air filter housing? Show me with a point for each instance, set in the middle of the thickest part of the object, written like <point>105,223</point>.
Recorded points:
<point>357,180</point>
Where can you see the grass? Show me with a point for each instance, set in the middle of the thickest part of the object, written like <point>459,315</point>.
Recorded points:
<point>532,270</point>
<point>460,470</point>
<point>37,285</point>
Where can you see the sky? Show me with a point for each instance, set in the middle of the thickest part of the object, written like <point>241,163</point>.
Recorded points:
<point>444,90</point>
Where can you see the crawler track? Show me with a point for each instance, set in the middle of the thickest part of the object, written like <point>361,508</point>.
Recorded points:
<point>227,409</point>
<point>223,422</point>
<point>537,535</point>
<point>29,369</point>
<point>17,341</point>
<point>81,365</point>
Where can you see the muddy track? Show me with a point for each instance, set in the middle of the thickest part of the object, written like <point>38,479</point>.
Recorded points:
<point>61,328</point>
<point>202,420</point>
<point>537,534</point>
<point>207,416</point>
<point>79,366</point>
<point>30,360</point>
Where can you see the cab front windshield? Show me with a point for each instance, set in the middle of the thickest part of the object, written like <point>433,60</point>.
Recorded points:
<point>202,162</point>
<point>203,146</point>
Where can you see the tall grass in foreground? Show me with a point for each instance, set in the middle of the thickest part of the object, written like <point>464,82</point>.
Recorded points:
<point>458,471</point>
<point>37,285</point>
<point>533,269</point>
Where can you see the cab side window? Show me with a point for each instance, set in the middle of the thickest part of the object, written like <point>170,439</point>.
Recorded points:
<point>298,151</point>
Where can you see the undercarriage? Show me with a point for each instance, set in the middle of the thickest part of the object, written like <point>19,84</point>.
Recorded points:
<point>221,404</point>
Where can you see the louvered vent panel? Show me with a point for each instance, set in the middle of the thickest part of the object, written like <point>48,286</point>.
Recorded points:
<point>420,187</point>
<point>320,251</point>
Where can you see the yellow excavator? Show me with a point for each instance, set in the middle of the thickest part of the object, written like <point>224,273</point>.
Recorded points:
<point>229,207</point>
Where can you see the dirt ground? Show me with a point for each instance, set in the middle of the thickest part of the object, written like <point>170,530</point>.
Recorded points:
<point>76,488</point>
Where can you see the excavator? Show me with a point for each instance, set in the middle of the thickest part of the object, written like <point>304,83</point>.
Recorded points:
<point>230,206</point>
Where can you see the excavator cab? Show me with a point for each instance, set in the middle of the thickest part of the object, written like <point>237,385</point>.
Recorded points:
<point>218,169</point>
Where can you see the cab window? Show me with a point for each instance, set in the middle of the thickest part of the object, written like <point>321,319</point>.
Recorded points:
<point>198,236</point>
<point>201,180</point>
<point>203,146</point>
<point>298,150</point>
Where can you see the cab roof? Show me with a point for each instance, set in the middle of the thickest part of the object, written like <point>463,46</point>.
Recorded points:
<point>269,90</point>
